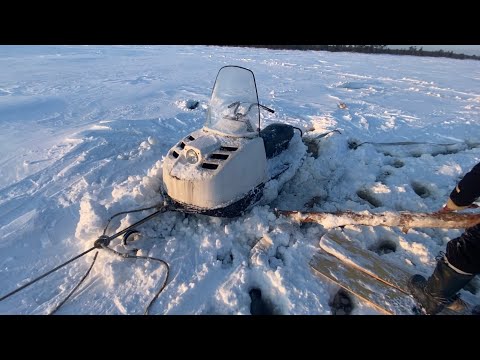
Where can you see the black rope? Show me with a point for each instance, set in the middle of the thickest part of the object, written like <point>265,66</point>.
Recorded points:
<point>328,132</point>
<point>126,212</point>
<point>101,242</point>
<point>301,132</point>
<point>47,273</point>
<point>76,287</point>
<point>104,240</point>
<point>354,145</point>
<point>129,256</point>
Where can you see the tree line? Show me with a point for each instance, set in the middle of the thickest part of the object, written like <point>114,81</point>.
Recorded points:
<point>370,49</point>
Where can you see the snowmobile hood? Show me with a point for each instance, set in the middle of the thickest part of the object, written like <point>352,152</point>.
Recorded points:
<point>203,146</point>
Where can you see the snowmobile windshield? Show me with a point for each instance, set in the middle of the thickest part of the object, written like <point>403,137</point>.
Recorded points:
<point>233,108</point>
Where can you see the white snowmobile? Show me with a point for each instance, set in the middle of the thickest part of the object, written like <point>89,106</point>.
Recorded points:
<point>220,170</point>
<point>224,168</point>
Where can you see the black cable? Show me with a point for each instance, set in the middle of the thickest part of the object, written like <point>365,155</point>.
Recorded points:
<point>76,287</point>
<point>47,273</point>
<point>301,132</point>
<point>105,240</point>
<point>129,256</point>
<point>101,242</point>
<point>126,212</point>
<point>355,146</point>
<point>325,134</point>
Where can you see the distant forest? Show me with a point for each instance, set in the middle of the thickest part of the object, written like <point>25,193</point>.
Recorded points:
<point>370,49</point>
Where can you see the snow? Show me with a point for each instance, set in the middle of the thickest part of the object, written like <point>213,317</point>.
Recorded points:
<point>85,129</point>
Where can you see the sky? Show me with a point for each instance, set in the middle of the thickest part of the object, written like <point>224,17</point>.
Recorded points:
<point>460,49</point>
<point>85,129</point>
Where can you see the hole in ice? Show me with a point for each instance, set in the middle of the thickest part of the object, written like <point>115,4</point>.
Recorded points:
<point>341,304</point>
<point>420,190</point>
<point>366,195</point>
<point>384,247</point>
<point>259,306</point>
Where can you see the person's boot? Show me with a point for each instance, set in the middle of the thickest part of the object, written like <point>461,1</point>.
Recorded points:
<point>440,289</point>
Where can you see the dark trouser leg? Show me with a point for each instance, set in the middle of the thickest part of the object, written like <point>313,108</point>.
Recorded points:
<point>464,252</point>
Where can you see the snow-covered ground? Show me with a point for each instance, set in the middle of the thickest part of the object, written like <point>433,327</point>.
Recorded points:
<point>84,130</point>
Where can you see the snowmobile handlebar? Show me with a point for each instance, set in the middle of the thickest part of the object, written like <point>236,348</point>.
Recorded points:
<point>239,116</point>
<point>237,104</point>
<point>266,108</point>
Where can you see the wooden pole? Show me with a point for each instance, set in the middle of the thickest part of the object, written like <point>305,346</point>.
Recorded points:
<point>403,219</point>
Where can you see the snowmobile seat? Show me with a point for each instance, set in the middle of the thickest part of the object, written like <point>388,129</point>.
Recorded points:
<point>276,138</point>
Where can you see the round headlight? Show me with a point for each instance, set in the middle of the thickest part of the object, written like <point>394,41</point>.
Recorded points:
<point>192,156</point>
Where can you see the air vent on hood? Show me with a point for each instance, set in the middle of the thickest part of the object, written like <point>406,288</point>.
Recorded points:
<point>190,137</point>
<point>209,166</point>
<point>175,154</point>
<point>228,148</point>
<point>219,156</point>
